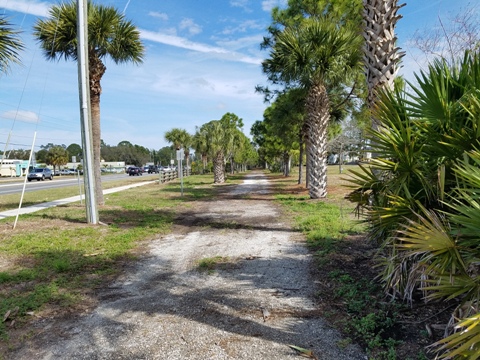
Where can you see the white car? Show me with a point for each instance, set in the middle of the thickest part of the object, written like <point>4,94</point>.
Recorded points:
<point>40,174</point>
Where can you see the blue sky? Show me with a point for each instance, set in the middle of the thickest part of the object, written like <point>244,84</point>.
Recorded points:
<point>201,61</point>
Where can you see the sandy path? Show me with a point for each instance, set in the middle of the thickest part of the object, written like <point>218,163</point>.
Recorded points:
<point>256,303</point>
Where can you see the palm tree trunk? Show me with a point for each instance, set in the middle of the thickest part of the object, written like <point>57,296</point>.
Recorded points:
<point>204,162</point>
<point>218,169</point>
<point>318,116</point>
<point>381,55</point>
<point>300,163</point>
<point>97,69</point>
<point>286,168</point>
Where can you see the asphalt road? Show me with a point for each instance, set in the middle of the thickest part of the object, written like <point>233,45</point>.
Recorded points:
<point>14,186</point>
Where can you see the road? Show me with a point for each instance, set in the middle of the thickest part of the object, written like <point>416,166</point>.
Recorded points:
<point>13,187</point>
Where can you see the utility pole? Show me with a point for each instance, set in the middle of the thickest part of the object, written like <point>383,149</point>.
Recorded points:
<point>85,113</point>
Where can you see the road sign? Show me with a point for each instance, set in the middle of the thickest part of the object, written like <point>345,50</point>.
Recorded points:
<point>180,154</point>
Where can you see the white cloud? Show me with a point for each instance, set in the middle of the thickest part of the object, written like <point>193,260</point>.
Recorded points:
<point>161,16</point>
<point>241,4</point>
<point>268,5</point>
<point>190,26</point>
<point>37,8</point>
<point>198,47</point>
<point>20,115</point>
<point>243,27</point>
<point>244,42</point>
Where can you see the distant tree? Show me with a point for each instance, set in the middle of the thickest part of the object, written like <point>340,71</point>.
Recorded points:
<point>217,141</point>
<point>109,35</point>
<point>180,139</point>
<point>41,156</point>
<point>220,135</point>
<point>75,150</point>
<point>233,125</point>
<point>10,45</point>
<point>57,156</point>
<point>126,151</point>
<point>246,155</point>
<point>348,141</point>
<point>201,147</point>
<point>51,145</point>
<point>165,154</point>
<point>19,154</point>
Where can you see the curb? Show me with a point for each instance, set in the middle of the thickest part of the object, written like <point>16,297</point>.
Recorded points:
<point>43,206</point>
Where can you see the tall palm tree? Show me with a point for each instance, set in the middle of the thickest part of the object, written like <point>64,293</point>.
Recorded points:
<point>10,45</point>
<point>218,141</point>
<point>220,135</point>
<point>174,136</point>
<point>316,54</point>
<point>180,139</point>
<point>57,156</point>
<point>381,54</point>
<point>200,145</point>
<point>109,35</point>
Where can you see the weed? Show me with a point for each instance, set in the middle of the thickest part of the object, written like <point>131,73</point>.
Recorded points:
<point>344,343</point>
<point>209,264</point>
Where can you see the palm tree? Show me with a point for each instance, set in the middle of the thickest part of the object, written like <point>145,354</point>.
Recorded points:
<point>180,138</point>
<point>381,54</point>
<point>200,145</point>
<point>109,35</point>
<point>316,54</point>
<point>218,141</point>
<point>219,137</point>
<point>421,193</point>
<point>10,45</point>
<point>57,156</point>
<point>175,136</point>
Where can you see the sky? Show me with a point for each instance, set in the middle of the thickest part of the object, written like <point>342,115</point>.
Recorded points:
<point>202,60</point>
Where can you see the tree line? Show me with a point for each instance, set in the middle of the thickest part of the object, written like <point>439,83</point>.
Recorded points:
<point>216,142</point>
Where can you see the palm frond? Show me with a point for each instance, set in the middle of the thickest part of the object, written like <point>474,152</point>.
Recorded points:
<point>463,344</point>
<point>10,45</point>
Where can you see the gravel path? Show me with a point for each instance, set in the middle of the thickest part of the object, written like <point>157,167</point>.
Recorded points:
<point>256,302</point>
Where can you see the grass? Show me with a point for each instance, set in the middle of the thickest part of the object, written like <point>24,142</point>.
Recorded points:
<point>54,259</point>
<point>210,264</point>
<point>334,236</point>
<point>8,202</point>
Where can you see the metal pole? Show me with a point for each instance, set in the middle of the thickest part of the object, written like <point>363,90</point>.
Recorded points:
<point>79,187</point>
<point>181,175</point>
<point>25,180</point>
<point>85,115</point>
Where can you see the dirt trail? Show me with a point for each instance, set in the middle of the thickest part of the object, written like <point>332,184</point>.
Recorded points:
<point>259,300</point>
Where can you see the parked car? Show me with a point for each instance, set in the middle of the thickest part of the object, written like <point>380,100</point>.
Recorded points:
<point>132,171</point>
<point>153,169</point>
<point>40,174</point>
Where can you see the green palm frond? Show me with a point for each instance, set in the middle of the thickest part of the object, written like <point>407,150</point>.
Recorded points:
<point>463,344</point>
<point>10,45</point>
<point>316,50</point>
<point>109,34</point>
<point>430,236</point>
<point>453,286</point>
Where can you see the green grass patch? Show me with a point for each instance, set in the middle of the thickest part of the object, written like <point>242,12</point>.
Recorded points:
<point>327,223</point>
<point>54,257</point>
<point>210,264</point>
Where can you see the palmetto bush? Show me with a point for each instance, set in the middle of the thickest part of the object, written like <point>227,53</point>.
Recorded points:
<point>421,194</point>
